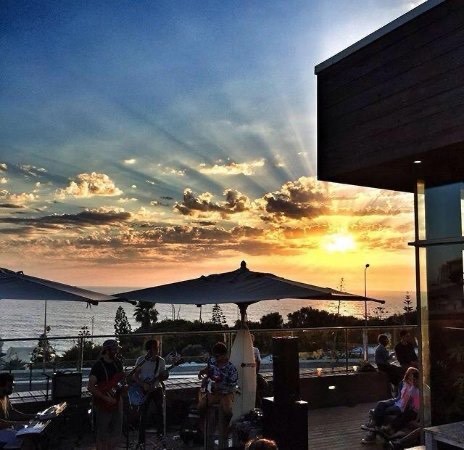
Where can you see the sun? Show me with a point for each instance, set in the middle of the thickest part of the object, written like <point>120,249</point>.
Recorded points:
<point>339,242</point>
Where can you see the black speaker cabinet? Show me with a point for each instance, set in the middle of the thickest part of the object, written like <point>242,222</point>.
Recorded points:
<point>66,386</point>
<point>286,424</point>
<point>286,370</point>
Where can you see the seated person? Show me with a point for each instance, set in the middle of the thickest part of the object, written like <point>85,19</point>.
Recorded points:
<point>411,413</point>
<point>395,406</point>
<point>405,352</point>
<point>11,419</point>
<point>383,358</point>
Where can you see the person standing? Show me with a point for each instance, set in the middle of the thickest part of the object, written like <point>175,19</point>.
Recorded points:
<point>103,384</point>
<point>149,377</point>
<point>405,352</point>
<point>223,376</point>
<point>261,383</point>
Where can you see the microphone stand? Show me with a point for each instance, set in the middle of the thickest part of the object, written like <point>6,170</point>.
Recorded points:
<point>126,406</point>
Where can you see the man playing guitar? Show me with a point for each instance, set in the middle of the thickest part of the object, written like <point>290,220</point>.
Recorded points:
<point>149,377</point>
<point>104,376</point>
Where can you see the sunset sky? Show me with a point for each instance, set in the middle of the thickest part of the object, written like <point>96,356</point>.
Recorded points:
<point>144,142</point>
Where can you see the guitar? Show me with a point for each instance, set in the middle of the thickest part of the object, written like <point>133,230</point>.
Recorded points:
<point>138,395</point>
<point>208,381</point>
<point>115,385</point>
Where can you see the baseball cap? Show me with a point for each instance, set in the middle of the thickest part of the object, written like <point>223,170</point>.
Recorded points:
<point>110,343</point>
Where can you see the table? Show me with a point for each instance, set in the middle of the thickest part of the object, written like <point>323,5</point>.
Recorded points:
<point>450,433</point>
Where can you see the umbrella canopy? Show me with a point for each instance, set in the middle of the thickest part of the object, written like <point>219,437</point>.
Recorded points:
<point>17,286</point>
<point>241,286</point>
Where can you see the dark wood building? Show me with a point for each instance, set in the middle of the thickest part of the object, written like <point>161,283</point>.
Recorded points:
<point>391,116</point>
<point>394,98</point>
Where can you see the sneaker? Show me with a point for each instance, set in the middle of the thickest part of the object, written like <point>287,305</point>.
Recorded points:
<point>369,438</point>
<point>394,445</point>
<point>386,429</point>
<point>369,424</point>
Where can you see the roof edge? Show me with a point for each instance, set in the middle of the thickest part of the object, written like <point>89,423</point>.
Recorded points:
<point>412,14</point>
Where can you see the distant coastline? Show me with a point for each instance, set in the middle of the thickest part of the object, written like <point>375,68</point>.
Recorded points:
<point>25,319</point>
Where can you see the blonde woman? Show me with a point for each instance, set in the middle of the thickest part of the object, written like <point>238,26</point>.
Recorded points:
<point>261,444</point>
<point>394,406</point>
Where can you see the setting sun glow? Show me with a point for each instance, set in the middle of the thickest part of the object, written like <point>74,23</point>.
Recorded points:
<point>339,243</point>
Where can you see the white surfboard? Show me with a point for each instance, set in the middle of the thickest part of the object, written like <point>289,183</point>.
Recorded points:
<point>242,357</point>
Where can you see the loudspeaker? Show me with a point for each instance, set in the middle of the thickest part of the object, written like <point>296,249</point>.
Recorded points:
<point>287,424</point>
<point>66,386</point>
<point>286,370</point>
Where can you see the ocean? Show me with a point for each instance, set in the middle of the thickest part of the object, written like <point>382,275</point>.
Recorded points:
<point>25,319</point>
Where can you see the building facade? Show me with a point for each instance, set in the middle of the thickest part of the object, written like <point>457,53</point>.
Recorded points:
<point>391,116</point>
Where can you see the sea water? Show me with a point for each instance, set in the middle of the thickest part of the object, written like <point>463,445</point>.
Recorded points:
<point>25,318</point>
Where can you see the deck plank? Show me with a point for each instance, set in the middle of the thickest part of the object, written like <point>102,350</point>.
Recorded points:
<point>336,428</point>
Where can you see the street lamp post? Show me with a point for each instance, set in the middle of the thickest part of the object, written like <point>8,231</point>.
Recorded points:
<point>365,313</point>
<point>365,293</point>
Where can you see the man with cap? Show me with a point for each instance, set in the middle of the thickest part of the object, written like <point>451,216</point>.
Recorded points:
<point>104,380</point>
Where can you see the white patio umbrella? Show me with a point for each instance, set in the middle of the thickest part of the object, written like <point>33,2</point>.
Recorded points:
<point>18,286</point>
<point>241,286</point>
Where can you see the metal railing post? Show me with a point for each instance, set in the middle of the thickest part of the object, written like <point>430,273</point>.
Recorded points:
<point>80,355</point>
<point>346,350</point>
<point>365,344</point>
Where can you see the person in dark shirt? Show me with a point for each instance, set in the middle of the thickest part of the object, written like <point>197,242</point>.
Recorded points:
<point>405,352</point>
<point>383,358</point>
<point>103,380</point>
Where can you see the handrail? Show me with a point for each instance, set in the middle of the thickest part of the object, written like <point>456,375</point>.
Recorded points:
<point>225,330</point>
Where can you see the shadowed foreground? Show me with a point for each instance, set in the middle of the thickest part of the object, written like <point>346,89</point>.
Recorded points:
<point>329,428</point>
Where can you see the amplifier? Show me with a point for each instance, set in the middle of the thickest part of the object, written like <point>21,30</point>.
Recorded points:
<point>66,386</point>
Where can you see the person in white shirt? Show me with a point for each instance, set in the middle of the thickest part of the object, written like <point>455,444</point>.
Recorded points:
<point>149,376</point>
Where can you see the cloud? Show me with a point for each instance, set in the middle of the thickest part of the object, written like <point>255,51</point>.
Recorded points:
<point>89,217</point>
<point>10,205</point>
<point>172,171</point>
<point>32,171</point>
<point>127,200</point>
<point>130,161</point>
<point>232,168</point>
<point>3,167</point>
<point>20,200</point>
<point>3,180</point>
<point>303,198</point>
<point>193,204</point>
<point>90,185</point>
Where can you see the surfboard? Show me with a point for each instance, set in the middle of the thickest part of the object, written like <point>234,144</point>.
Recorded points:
<point>242,357</point>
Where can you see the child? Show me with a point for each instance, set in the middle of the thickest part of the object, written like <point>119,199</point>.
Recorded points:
<point>394,406</point>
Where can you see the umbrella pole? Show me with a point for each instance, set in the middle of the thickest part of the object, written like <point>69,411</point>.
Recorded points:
<point>242,307</point>
<point>44,364</point>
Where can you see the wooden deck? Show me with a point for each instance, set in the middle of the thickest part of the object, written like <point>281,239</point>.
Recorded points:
<point>329,428</point>
<point>338,428</point>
